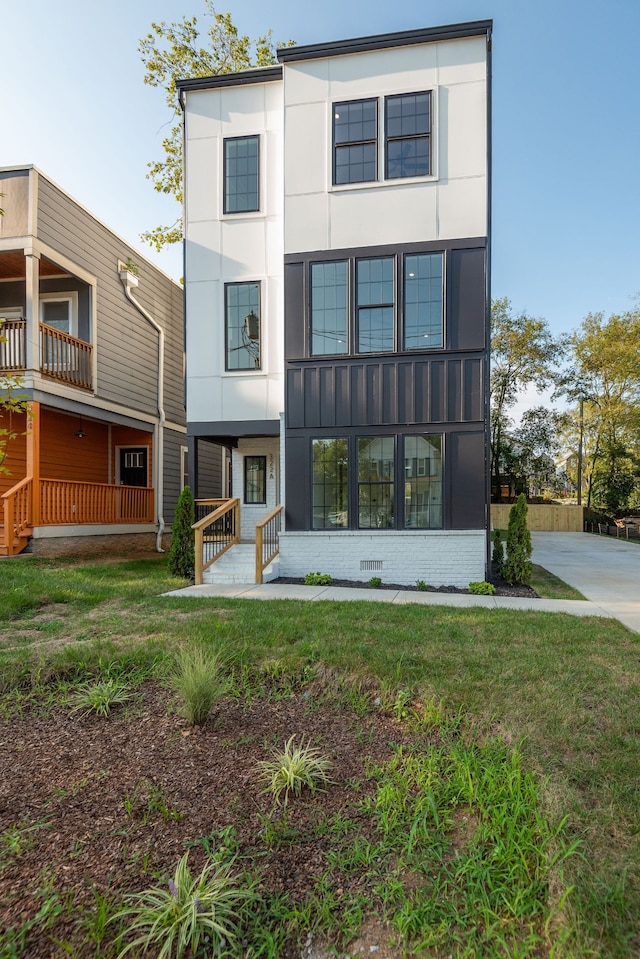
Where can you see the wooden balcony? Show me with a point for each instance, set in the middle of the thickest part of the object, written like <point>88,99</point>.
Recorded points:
<point>61,357</point>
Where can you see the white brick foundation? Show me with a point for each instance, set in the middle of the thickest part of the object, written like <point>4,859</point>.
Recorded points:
<point>439,557</point>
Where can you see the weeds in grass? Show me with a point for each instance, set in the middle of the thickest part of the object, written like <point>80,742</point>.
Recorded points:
<point>148,799</point>
<point>99,697</point>
<point>176,919</point>
<point>292,769</point>
<point>199,681</point>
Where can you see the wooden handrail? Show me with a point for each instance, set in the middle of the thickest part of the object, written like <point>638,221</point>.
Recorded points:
<point>267,543</point>
<point>66,502</point>
<point>65,357</point>
<point>13,341</point>
<point>215,533</point>
<point>17,514</point>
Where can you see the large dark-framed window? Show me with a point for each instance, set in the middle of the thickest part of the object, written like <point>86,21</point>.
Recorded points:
<point>378,481</point>
<point>329,327</point>
<point>376,470</point>
<point>394,302</point>
<point>330,463</point>
<point>375,304</point>
<point>355,141</point>
<point>423,315</point>
<point>242,326</point>
<point>241,174</point>
<point>407,122</point>
<point>255,480</point>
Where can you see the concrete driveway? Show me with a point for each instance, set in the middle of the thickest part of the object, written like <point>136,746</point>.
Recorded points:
<point>605,570</point>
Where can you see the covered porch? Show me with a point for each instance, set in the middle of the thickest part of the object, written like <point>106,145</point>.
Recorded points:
<point>66,471</point>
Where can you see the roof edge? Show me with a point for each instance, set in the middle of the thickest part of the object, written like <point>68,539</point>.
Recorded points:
<point>454,31</point>
<point>256,75</point>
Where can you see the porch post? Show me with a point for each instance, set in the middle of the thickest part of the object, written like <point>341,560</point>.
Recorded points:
<point>32,309</point>
<point>33,458</point>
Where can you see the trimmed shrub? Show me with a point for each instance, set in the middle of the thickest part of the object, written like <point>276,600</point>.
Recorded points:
<point>482,588</point>
<point>182,558</point>
<point>517,566</point>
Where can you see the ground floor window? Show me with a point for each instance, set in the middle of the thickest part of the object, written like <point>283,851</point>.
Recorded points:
<point>330,507</point>
<point>377,482</point>
<point>255,479</point>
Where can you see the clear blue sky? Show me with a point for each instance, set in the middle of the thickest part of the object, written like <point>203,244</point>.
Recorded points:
<point>566,147</point>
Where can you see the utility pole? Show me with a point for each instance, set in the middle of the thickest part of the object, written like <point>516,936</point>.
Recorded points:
<point>580,451</point>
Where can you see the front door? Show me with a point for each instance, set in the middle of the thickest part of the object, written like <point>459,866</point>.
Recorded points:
<point>133,464</point>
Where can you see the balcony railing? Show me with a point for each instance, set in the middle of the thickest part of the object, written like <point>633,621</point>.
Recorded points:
<point>62,357</point>
<point>13,354</point>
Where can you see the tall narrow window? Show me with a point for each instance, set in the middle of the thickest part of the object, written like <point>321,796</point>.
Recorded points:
<point>375,482</point>
<point>408,135</point>
<point>375,304</point>
<point>423,327</point>
<point>423,482</point>
<point>330,462</point>
<point>255,479</point>
<point>242,313</point>
<point>329,308</point>
<point>241,178</point>
<point>355,141</point>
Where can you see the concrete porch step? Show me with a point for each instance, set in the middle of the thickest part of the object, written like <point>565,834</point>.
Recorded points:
<point>238,565</point>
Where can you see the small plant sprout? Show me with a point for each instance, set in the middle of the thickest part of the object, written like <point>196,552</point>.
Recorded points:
<point>482,588</point>
<point>421,585</point>
<point>99,697</point>
<point>199,682</point>
<point>174,920</point>
<point>293,769</point>
<point>375,582</point>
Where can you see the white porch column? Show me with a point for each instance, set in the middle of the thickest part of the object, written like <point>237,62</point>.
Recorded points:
<point>32,309</point>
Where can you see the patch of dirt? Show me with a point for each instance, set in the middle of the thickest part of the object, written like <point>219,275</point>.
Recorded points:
<point>86,787</point>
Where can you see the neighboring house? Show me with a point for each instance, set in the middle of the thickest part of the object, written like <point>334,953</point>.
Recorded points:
<point>337,262</point>
<point>100,460</point>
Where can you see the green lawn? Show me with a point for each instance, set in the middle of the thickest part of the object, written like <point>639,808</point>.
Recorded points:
<point>563,689</point>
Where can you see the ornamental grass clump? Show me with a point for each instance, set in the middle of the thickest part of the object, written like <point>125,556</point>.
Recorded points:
<point>175,920</point>
<point>199,681</point>
<point>292,769</point>
<point>99,697</point>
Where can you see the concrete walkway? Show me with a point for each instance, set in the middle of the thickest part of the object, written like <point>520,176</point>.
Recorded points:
<point>604,569</point>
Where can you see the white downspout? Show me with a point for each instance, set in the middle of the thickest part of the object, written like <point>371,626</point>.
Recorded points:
<point>128,281</point>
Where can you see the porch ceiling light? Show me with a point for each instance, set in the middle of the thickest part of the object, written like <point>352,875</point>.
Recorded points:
<point>80,433</point>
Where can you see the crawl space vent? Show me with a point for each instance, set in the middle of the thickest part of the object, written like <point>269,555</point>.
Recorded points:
<point>370,564</point>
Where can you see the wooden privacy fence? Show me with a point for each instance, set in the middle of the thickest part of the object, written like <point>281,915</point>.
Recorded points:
<point>541,518</point>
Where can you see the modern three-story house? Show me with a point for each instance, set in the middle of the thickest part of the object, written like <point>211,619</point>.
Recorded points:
<point>337,215</point>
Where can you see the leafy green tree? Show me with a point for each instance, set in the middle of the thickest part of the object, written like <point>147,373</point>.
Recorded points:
<point>604,377</point>
<point>182,558</point>
<point>517,566</point>
<point>180,50</point>
<point>523,352</point>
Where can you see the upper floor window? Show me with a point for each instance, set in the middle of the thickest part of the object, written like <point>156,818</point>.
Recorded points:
<point>423,327</point>
<point>355,141</point>
<point>241,174</point>
<point>329,297</point>
<point>407,135</point>
<point>60,311</point>
<point>375,304</point>
<point>242,322</point>
<point>396,303</point>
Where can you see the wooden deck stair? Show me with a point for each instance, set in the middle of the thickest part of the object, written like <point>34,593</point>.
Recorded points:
<point>18,545</point>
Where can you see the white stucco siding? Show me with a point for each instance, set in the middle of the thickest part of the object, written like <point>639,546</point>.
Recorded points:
<point>452,202</point>
<point>231,248</point>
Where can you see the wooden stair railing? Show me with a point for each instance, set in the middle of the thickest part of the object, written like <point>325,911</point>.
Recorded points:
<point>17,512</point>
<point>267,546</point>
<point>215,533</point>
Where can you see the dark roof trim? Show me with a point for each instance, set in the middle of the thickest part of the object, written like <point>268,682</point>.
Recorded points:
<point>259,75</point>
<point>381,41</point>
<point>234,428</point>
